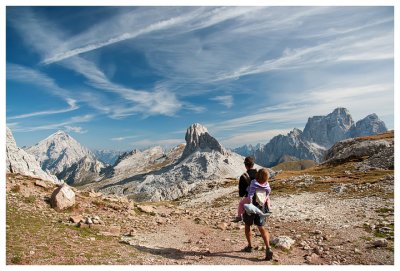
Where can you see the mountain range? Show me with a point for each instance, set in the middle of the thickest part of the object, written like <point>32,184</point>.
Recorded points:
<point>319,134</point>
<point>156,174</point>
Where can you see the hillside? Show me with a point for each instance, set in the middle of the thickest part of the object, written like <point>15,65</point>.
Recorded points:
<point>316,208</point>
<point>294,165</point>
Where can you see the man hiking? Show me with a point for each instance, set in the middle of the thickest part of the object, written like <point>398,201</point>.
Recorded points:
<point>244,183</point>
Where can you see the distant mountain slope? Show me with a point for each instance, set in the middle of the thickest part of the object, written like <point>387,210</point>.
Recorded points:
<point>19,161</point>
<point>107,156</point>
<point>319,134</point>
<point>65,157</point>
<point>248,150</point>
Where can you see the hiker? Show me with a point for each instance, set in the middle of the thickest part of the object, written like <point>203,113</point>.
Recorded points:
<point>258,195</point>
<point>244,183</point>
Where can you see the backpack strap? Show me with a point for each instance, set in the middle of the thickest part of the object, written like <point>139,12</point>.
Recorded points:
<point>246,177</point>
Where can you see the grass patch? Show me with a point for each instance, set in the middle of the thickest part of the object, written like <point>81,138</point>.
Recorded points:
<point>30,199</point>
<point>16,259</point>
<point>16,189</point>
<point>384,210</point>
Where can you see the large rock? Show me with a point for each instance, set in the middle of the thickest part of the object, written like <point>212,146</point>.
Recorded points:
<point>284,242</point>
<point>19,161</point>
<point>62,198</point>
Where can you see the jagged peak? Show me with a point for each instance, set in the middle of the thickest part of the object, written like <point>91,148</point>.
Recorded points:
<point>198,138</point>
<point>340,111</point>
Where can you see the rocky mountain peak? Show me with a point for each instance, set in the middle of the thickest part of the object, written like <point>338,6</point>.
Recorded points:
<point>198,139</point>
<point>327,130</point>
<point>369,125</point>
<point>59,151</point>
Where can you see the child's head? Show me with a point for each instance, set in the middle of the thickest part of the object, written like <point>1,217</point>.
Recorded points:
<point>262,175</point>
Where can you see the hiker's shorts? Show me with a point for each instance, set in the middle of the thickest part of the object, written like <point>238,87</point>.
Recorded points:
<point>253,219</point>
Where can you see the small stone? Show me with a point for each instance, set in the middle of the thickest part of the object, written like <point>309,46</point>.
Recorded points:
<point>41,183</point>
<point>318,232</point>
<point>222,226</point>
<point>31,252</point>
<point>146,209</point>
<point>89,220</point>
<point>381,242</point>
<point>76,218</point>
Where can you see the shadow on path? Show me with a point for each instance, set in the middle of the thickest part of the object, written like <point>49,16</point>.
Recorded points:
<point>177,254</point>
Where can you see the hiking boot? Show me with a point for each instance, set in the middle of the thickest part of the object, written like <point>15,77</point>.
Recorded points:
<point>248,249</point>
<point>237,219</point>
<point>268,254</point>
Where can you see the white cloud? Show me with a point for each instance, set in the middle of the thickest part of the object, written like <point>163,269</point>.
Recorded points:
<point>122,138</point>
<point>55,126</point>
<point>227,100</point>
<point>75,129</point>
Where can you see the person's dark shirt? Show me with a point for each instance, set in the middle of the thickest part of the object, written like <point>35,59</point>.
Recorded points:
<point>243,183</point>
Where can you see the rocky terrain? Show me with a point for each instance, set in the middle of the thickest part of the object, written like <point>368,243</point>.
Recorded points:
<point>319,134</point>
<point>313,212</point>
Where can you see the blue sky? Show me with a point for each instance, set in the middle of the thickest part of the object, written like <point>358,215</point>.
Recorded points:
<point>133,77</point>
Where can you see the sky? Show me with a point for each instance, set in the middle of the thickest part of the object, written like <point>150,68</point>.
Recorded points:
<point>132,77</point>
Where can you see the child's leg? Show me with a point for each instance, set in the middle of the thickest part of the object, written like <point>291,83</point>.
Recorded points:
<point>241,206</point>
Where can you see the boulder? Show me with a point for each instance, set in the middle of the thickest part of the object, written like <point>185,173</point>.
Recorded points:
<point>62,197</point>
<point>283,242</point>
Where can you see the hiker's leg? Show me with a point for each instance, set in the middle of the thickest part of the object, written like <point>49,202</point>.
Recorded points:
<point>264,235</point>
<point>247,232</point>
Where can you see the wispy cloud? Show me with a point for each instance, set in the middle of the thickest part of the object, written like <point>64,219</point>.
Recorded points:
<point>54,126</point>
<point>27,75</point>
<point>123,138</point>
<point>227,100</point>
<point>75,129</point>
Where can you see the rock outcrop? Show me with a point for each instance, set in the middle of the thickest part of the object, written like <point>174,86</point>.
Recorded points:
<point>198,139</point>
<point>371,152</point>
<point>19,161</point>
<point>319,134</point>
<point>63,156</point>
